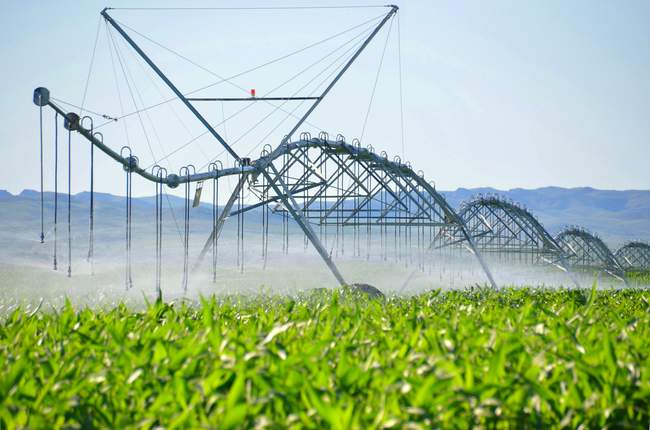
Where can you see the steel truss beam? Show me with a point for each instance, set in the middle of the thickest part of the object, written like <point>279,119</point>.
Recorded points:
<point>634,256</point>
<point>362,189</point>
<point>500,226</point>
<point>585,250</point>
<point>508,231</point>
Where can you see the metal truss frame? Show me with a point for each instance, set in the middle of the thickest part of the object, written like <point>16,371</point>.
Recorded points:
<point>383,193</point>
<point>634,256</point>
<point>585,250</point>
<point>502,228</point>
<point>326,182</point>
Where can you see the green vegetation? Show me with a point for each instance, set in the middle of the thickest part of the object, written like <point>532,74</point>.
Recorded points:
<point>512,358</point>
<point>640,277</point>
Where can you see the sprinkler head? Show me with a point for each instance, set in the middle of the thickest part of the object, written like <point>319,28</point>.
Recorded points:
<point>71,121</point>
<point>173,180</point>
<point>41,96</point>
<point>132,163</point>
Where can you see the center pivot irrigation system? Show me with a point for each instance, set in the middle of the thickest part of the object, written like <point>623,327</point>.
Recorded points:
<point>331,188</point>
<point>319,182</point>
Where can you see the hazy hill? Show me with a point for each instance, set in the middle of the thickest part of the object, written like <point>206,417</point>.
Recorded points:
<point>617,216</point>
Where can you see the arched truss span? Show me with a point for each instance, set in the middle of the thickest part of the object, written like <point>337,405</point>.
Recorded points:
<point>335,183</point>
<point>500,226</point>
<point>634,256</point>
<point>343,184</point>
<point>587,251</point>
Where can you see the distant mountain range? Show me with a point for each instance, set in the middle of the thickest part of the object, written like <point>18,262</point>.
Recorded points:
<point>616,216</point>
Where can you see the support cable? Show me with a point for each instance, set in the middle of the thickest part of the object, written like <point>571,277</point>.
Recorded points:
<point>401,92</point>
<point>249,8</point>
<point>91,235</point>
<point>186,231</point>
<point>369,221</point>
<point>138,62</point>
<point>304,175</point>
<point>215,220</point>
<point>128,85</point>
<point>112,45</point>
<point>374,86</point>
<point>40,119</point>
<point>285,213</point>
<point>229,78</point>
<point>249,105</point>
<point>319,85</point>
<point>92,112</point>
<point>90,68</point>
<point>130,222</point>
<point>160,173</point>
<point>241,223</point>
<point>239,214</point>
<point>117,86</point>
<point>128,278</point>
<point>56,184</point>
<point>69,203</point>
<point>157,220</point>
<point>265,220</point>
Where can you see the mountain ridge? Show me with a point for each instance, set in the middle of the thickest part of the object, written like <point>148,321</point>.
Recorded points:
<point>615,215</point>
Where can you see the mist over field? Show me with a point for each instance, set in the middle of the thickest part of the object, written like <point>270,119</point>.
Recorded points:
<point>26,266</point>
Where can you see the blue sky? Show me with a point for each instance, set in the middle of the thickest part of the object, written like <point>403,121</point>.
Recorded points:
<point>504,94</point>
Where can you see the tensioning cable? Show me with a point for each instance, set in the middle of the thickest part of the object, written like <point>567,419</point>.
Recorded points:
<point>90,68</point>
<point>249,8</point>
<point>230,78</point>
<point>374,86</point>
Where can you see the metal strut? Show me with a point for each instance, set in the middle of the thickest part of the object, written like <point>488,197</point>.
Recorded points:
<point>291,205</point>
